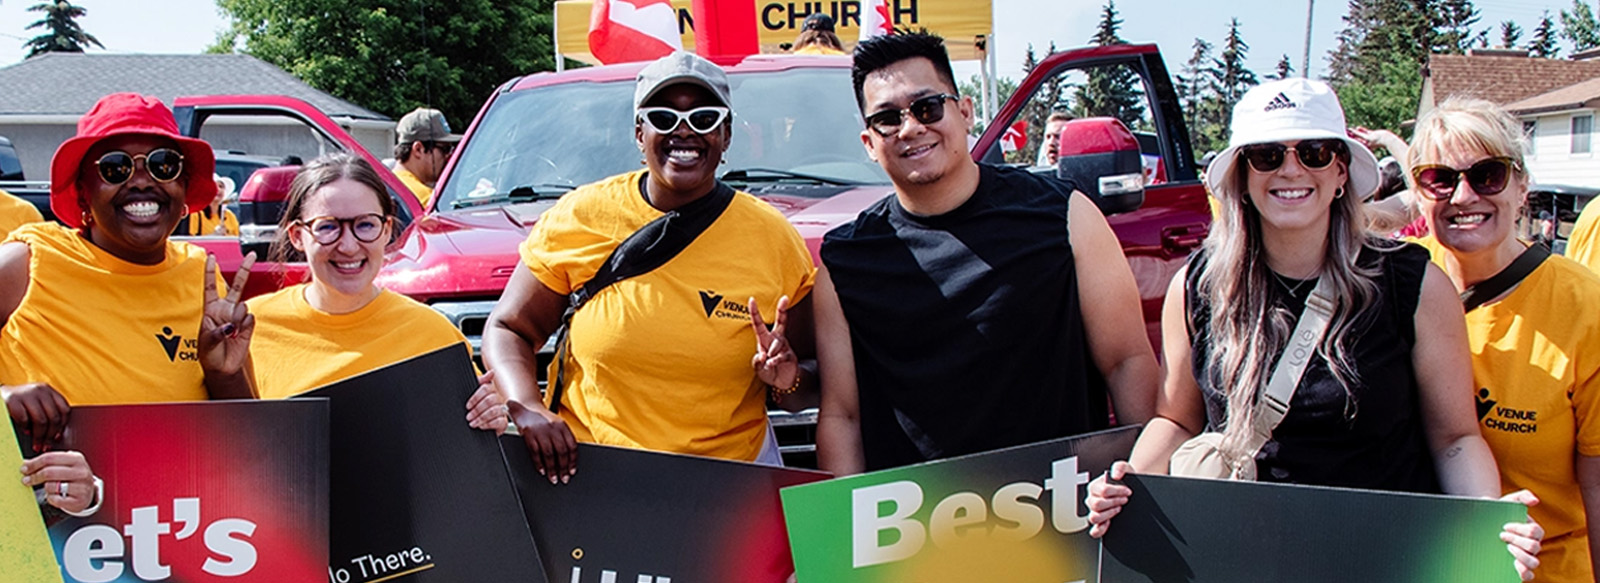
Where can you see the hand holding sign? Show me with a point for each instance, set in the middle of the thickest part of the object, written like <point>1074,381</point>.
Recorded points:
<point>68,482</point>
<point>39,410</point>
<point>226,327</point>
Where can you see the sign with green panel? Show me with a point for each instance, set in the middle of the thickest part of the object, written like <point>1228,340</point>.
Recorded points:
<point>1215,531</point>
<point>1013,515</point>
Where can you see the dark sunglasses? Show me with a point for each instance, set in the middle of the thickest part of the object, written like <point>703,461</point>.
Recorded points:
<point>327,230</point>
<point>665,120</point>
<point>927,110</point>
<point>1487,177</point>
<point>163,164</point>
<point>1313,154</point>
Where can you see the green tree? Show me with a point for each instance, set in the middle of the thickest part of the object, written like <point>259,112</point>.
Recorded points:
<point>1112,91</point>
<point>1383,105</point>
<point>61,33</point>
<point>1510,33</point>
<point>1230,79</point>
<point>973,87</point>
<point>1194,96</point>
<point>1579,26</point>
<point>1543,43</point>
<point>1284,70</point>
<point>395,55</point>
<point>1046,100</point>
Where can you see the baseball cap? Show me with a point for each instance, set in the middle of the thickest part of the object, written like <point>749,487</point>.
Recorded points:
<point>1292,110</point>
<point>818,21</point>
<point>681,67</point>
<point>121,114</point>
<point>425,125</point>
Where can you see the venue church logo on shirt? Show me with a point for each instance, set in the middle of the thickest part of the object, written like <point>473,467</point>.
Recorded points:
<point>1501,418</point>
<point>177,347</point>
<point>716,306</point>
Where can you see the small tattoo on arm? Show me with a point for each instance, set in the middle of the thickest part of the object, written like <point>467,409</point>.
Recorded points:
<point>1453,451</point>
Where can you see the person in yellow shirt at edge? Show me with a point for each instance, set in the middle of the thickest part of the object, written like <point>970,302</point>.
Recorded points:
<point>215,219</point>
<point>339,324</point>
<point>677,359</point>
<point>1535,347</point>
<point>102,308</point>
<point>425,146</point>
<point>1584,244</point>
<point>15,212</point>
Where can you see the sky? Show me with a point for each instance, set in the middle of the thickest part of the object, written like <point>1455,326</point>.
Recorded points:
<point>1272,28</point>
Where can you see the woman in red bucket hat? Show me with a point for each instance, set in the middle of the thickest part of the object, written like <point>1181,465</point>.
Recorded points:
<point>105,309</point>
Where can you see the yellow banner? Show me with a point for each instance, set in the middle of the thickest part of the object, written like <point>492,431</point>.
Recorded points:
<point>24,547</point>
<point>961,22</point>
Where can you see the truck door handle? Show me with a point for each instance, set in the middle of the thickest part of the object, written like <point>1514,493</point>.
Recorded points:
<point>1182,239</point>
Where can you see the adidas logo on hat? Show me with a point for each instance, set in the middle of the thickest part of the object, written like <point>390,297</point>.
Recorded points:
<point>1279,102</point>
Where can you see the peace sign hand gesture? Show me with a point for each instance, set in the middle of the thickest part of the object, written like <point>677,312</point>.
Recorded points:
<point>775,361</point>
<point>226,327</point>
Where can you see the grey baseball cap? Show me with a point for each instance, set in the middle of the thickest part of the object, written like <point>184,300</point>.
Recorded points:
<point>425,125</point>
<point>681,67</point>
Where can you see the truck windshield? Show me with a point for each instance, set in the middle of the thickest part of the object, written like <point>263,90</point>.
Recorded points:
<point>802,122</point>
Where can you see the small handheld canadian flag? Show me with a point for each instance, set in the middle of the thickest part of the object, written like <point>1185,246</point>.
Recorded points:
<point>621,31</point>
<point>1015,138</point>
<point>875,19</point>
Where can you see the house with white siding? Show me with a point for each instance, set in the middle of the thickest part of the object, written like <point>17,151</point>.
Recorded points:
<point>1560,128</point>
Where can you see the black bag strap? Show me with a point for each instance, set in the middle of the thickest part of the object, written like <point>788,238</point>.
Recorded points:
<point>1488,289</point>
<point>648,248</point>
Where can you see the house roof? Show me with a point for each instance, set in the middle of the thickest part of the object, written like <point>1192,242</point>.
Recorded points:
<point>1577,95</point>
<point>1504,80</point>
<point>70,83</point>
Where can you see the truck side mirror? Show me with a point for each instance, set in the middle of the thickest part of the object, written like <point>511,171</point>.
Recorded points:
<point>1101,156</point>
<point>261,205</point>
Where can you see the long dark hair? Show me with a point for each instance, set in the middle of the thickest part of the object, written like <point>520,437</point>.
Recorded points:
<point>318,173</point>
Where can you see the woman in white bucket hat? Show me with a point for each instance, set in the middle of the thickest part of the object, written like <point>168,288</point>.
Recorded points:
<point>1374,406</point>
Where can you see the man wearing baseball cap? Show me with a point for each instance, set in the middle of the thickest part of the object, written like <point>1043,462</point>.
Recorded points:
<point>104,308</point>
<point>425,145</point>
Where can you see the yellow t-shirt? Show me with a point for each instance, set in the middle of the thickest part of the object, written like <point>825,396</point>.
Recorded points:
<point>1536,368</point>
<point>297,348</point>
<point>15,212</point>
<point>1584,244</point>
<point>201,225</point>
<point>422,191</point>
<point>662,361</point>
<point>103,331</point>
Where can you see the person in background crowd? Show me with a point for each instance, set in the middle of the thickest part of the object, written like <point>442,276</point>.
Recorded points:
<point>215,219</point>
<point>339,324</point>
<point>676,359</point>
<point>103,308</point>
<point>1583,246</point>
<point>817,37</point>
<point>1535,344</point>
<point>15,212</point>
<point>1050,146</point>
<point>978,307</point>
<point>424,148</point>
<point>1383,403</point>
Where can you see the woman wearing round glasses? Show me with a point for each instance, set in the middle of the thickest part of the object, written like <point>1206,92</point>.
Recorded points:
<point>676,358</point>
<point>1376,406</point>
<point>339,324</point>
<point>1533,326</point>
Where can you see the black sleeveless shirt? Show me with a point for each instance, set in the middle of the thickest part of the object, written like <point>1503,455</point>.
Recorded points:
<point>1378,442</point>
<point>966,329</point>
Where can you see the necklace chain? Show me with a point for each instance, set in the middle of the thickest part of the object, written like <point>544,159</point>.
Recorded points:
<point>1294,290</point>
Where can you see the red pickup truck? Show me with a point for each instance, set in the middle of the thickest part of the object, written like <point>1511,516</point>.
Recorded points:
<point>795,145</point>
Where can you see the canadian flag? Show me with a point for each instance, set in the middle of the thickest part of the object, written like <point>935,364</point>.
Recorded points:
<point>875,19</point>
<point>1015,138</point>
<point>633,30</point>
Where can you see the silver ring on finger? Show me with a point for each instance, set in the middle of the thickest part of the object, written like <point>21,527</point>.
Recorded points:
<point>62,489</point>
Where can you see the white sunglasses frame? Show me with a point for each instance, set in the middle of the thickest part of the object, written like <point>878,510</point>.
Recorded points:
<point>642,115</point>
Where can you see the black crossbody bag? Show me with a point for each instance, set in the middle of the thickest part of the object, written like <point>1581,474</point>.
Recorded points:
<point>652,246</point>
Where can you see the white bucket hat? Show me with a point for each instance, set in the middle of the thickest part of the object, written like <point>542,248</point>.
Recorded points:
<point>1292,109</point>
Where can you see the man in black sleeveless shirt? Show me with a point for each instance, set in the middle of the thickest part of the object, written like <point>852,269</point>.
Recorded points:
<point>952,317</point>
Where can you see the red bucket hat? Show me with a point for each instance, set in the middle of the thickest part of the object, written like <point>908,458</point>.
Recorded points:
<point>119,114</point>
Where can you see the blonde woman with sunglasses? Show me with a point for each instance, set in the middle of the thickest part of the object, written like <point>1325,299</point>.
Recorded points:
<point>1381,404</point>
<point>678,358</point>
<point>1534,335</point>
<point>339,324</point>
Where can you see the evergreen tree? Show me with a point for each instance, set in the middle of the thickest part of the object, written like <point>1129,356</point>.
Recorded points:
<point>1039,107</point>
<point>61,31</point>
<point>1579,26</point>
<point>1510,33</point>
<point>1230,78</point>
<point>1543,43</point>
<point>1194,92</point>
<point>1112,91</point>
<point>1284,70</point>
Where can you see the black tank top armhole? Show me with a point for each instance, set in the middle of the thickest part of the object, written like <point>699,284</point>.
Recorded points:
<point>1405,266</point>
